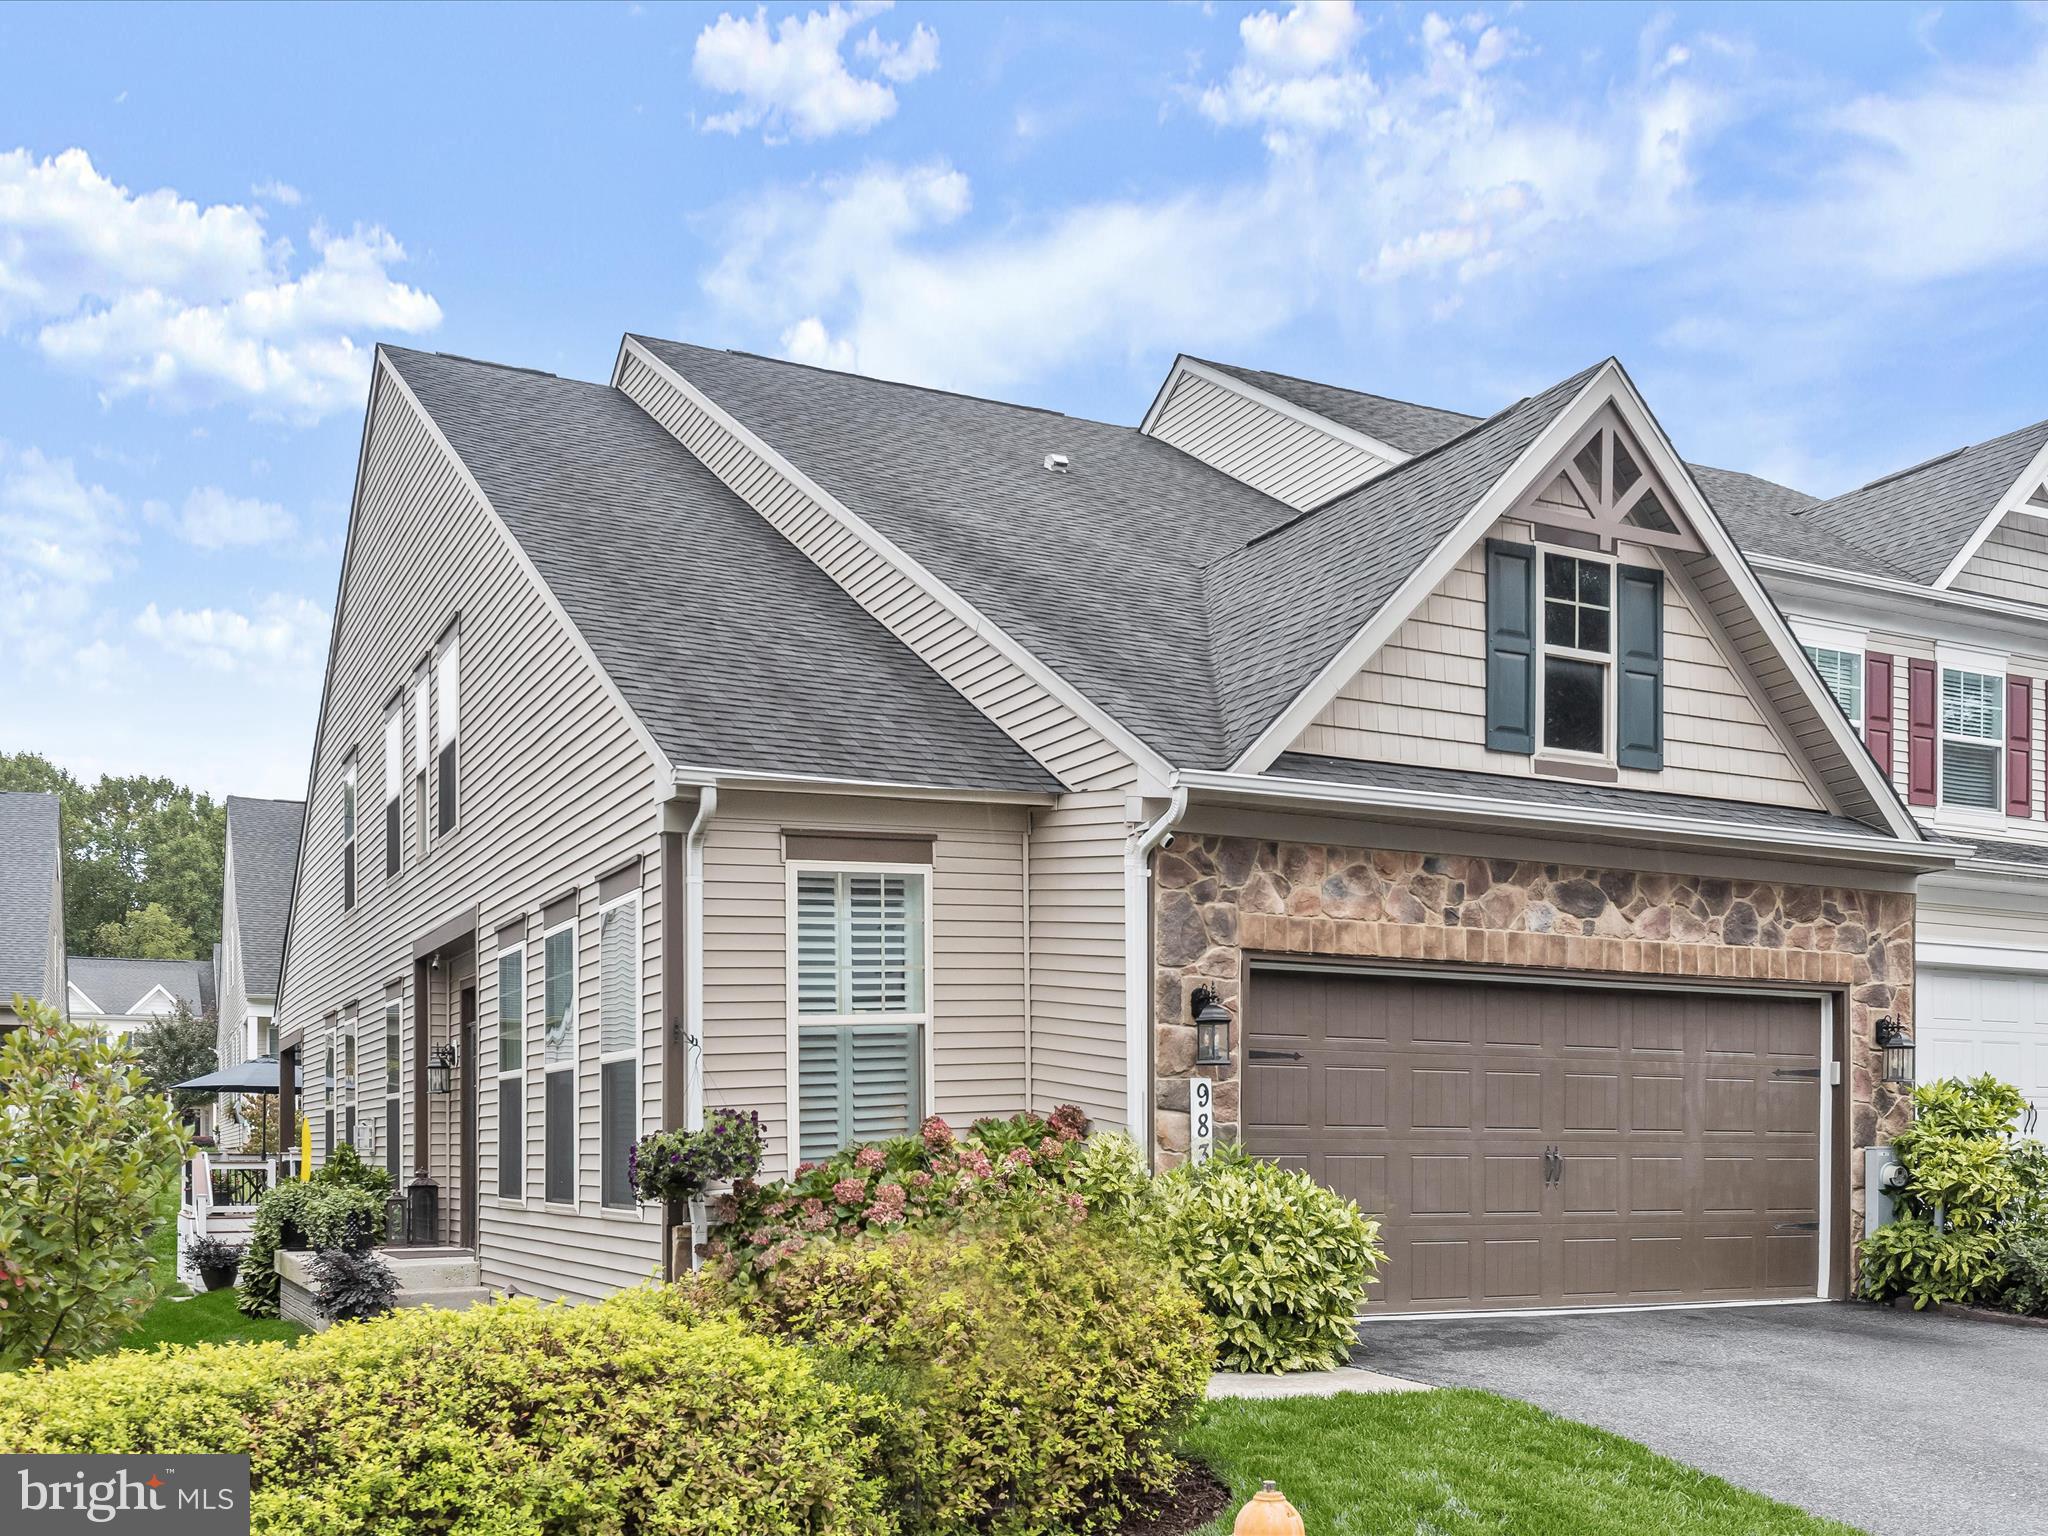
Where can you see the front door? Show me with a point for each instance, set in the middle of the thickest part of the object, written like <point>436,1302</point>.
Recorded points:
<point>469,1079</point>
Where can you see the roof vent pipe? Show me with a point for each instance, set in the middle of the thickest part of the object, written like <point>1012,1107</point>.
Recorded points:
<point>1056,463</point>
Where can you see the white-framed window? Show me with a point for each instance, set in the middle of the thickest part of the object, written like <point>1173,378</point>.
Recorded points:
<point>447,720</point>
<point>420,759</point>
<point>393,1127</point>
<point>394,786</point>
<point>348,833</point>
<point>1972,738</point>
<point>558,1059</point>
<point>618,1043</point>
<point>348,1078</point>
<point>859,957</point>
<point>1842,671</point>
<point>328,1093</point>
<point>512,1072</point>
<point>1575,707</point>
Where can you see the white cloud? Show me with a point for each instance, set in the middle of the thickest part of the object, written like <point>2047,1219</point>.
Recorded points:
<point>793,79</point>
<point>280,192</point>
<point>213,519</point>
<point>283,635</point>
<point>152,294</point>
<point>60,539</point>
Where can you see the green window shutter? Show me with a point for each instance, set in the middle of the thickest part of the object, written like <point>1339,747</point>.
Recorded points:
<point>1639,668</point>
<point>1510,647</point>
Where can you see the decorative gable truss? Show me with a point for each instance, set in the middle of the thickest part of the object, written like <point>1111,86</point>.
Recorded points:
<point>1602,478</point>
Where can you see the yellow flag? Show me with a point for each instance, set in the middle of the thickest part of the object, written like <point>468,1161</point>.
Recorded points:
<point>305,1149</point>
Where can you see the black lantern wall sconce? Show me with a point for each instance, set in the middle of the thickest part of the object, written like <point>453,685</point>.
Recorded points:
<point>1897,1047</point>
<point>1212,1028</point>
<point>441,1069</point>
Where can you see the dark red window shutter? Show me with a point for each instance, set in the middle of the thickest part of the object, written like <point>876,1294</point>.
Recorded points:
<point>2019,736</point>
<point>1919,732</point>
<point>1877,708</point>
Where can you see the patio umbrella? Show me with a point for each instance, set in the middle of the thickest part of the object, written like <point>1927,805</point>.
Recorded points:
<point>259,1075</point>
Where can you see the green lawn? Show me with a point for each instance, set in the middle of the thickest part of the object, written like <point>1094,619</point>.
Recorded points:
<point>179,1316</point>
<point>1459,1463</point>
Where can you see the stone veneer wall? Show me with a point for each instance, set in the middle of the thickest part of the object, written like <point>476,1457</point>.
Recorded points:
<point>1219,899</point>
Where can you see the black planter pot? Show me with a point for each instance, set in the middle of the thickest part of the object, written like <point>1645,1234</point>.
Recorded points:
<point>217,1279</point>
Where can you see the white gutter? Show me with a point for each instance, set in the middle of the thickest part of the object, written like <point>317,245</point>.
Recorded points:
<point>693,958</point>
<point>1138,849</point>
<point>1690,831</point>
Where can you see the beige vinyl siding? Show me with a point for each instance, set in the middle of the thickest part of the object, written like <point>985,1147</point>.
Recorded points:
<point>557,788</point>
<point>1422,699</point>
<point>1052,732</point>
<point>977,1045</point>
<point>1269,450</point>
<point>1077,955</point>
<point>2012,563</point>
<point>1979,919</point>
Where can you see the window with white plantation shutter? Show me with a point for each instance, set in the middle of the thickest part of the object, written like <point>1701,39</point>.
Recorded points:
<point>859,986</point>
<point>1972,739</point>
<point>618,1033</point>
<point>1842,671</point>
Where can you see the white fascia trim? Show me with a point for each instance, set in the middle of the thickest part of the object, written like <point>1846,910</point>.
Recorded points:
<point>1272,402</point>
<point>663,768</point>
<point>1500,810</point>
<point>1424,580</point>
<point>1830,637</point>
<point>2013,500</point>
<point>1981,957</point>
<point>1890,586</point>
<point>1025,661</point>
<point>1722,546</point>
<point>691,776</point>
<point>142,1008</point>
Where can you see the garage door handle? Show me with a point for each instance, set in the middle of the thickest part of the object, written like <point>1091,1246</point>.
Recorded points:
<point>1812,1072</point>
<point>1798,1226</point>
<point>1276,1055</point>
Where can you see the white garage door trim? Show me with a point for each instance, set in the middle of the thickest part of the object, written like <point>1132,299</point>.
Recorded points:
<point>1830,1079</point>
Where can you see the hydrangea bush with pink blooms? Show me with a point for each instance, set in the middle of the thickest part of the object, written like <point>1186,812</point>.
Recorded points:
<point>1017,1167</point>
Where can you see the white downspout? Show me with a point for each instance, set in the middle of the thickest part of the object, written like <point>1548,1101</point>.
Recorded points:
<point>693,988</point>
<point>1138,850</point>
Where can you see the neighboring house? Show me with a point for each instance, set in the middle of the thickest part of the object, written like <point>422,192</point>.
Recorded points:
<point>262,851</point>
<point>31,902</point>
<point>119,997</point>
<point>748,734</point>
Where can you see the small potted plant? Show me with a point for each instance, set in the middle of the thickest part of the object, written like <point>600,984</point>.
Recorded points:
<point>216,1260</point>
<point>202,1142</point>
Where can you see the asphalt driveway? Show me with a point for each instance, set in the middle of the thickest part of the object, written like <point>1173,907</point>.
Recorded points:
<point>1902,1424</point>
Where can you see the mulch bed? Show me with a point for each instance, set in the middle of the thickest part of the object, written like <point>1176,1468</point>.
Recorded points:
<point>1197,1497</point>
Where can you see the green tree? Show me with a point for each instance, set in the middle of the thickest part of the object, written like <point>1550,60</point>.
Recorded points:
<point>130,842</point>
<point>148,934</point>
<point>85,1152</point>
<point>175,1047</point>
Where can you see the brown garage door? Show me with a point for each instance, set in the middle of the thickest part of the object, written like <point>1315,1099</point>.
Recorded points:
<point>1530,1145</point>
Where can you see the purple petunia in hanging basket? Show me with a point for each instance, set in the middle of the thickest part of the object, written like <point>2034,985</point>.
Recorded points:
<point>683,1165</point>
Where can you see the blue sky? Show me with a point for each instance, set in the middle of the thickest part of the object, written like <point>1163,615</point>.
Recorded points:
<point>1817,236</point>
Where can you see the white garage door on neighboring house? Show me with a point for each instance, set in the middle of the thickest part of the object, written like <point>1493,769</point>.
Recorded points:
<point>1971,1022</point>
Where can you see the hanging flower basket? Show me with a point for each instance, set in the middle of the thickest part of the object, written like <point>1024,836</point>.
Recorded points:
<point>681,1166</point>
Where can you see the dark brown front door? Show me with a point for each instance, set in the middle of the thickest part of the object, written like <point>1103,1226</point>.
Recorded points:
<point>1532,1145</point>
<point>469,1090</point>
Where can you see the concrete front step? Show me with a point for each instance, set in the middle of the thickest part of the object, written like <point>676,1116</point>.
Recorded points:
<point>451,1271</point>
<point>454,1299</point>
<point>427,1277</point>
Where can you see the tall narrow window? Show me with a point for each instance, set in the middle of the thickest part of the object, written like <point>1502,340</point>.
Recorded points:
<point>348,1079</point>
<point>348,835</point>
<point>420,758</point>
<point>512,1073</point>
<point>328,1094</point>
<point>1578,645</point>
<point>392,1137</point>
<point>1972,739</point>
<point>446,723</point>
<point>558,1057</point>
<point>860,1004</point>
<point>1842,671</point>
<point>394,785</point>
<point>618,1011</point>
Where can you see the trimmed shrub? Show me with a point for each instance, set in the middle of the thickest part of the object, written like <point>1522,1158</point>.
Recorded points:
<point>1022,1380</point>
<point>518,1419</point>
<point>1108,1172</point>
<point>1280,1262</point>
<point>345,1167</point>
<point>2024,1258</point>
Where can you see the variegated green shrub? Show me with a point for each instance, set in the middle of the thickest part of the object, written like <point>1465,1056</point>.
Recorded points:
<point>1280,1263</point>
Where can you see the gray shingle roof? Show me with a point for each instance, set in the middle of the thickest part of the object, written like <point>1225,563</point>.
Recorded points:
<point>1922,517</point>
<point>1553,792</point>
<point>30,850</point>
<point>1097,572</point>
<point>118,985</point>
<point>1399,424</point>
<point>263,837</point>
<point>1284,606</point>
<point>733,648</point>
